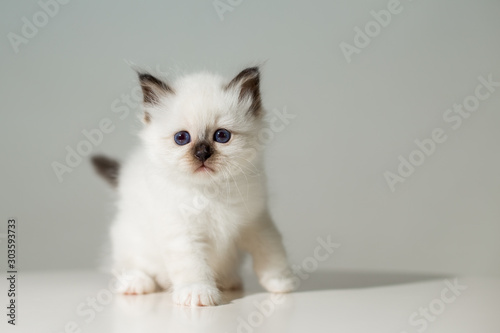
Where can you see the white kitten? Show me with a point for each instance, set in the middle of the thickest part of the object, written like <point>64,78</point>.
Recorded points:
<point>193,196</point>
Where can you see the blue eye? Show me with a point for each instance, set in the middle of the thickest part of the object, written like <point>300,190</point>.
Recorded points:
<point>182,138</point>
<point>222,135</point>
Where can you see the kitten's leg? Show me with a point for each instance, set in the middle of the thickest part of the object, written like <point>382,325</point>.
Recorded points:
<point>192,278</point>
<point>129,265</point>
<point>263,241</point>
<point>132,278</point>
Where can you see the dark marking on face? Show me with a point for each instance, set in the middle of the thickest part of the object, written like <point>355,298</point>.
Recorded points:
<point>248,81</point>
<point>147,117</point>
<point>202,151</point>
<point>107,168</point>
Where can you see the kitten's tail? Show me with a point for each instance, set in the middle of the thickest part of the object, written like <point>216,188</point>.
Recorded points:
<point>107,168</point>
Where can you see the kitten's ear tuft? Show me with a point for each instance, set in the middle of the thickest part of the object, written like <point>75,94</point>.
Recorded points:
<point>153,88</point>
<point>248,82</point>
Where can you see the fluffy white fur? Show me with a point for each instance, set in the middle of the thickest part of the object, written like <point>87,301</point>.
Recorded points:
<point>182,228</point>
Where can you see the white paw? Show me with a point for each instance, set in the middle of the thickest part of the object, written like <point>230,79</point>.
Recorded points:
<point>135,283</point>
<point>279,284</point>
<point>196,294</point>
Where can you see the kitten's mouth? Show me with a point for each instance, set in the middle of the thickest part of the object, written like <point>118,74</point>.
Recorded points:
<point>204,168</point>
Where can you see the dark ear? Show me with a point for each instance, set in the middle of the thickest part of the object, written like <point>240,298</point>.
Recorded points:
<point>152,90</point>
<point>248,82</point>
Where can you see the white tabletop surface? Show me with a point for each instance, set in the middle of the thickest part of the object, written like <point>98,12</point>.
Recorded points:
<point>60,301</point>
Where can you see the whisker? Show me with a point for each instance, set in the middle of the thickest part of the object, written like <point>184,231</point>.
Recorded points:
<point>244,174</point>
<point>241,195</point>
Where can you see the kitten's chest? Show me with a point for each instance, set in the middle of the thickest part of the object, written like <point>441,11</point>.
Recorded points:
<point>215,204</point>
<point>214,208</point>
<point>219,205</point>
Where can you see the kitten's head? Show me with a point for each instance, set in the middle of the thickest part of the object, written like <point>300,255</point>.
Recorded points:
<point>203,126</point>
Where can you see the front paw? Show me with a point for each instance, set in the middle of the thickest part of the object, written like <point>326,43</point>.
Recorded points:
<point>196,294</point>
<point>135,282</point>
<point>284,283</point>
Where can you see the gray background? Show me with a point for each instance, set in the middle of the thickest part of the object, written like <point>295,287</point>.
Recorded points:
<point>326,168</point>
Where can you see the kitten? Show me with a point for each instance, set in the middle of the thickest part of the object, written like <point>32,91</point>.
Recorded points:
<point>192,197</point>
